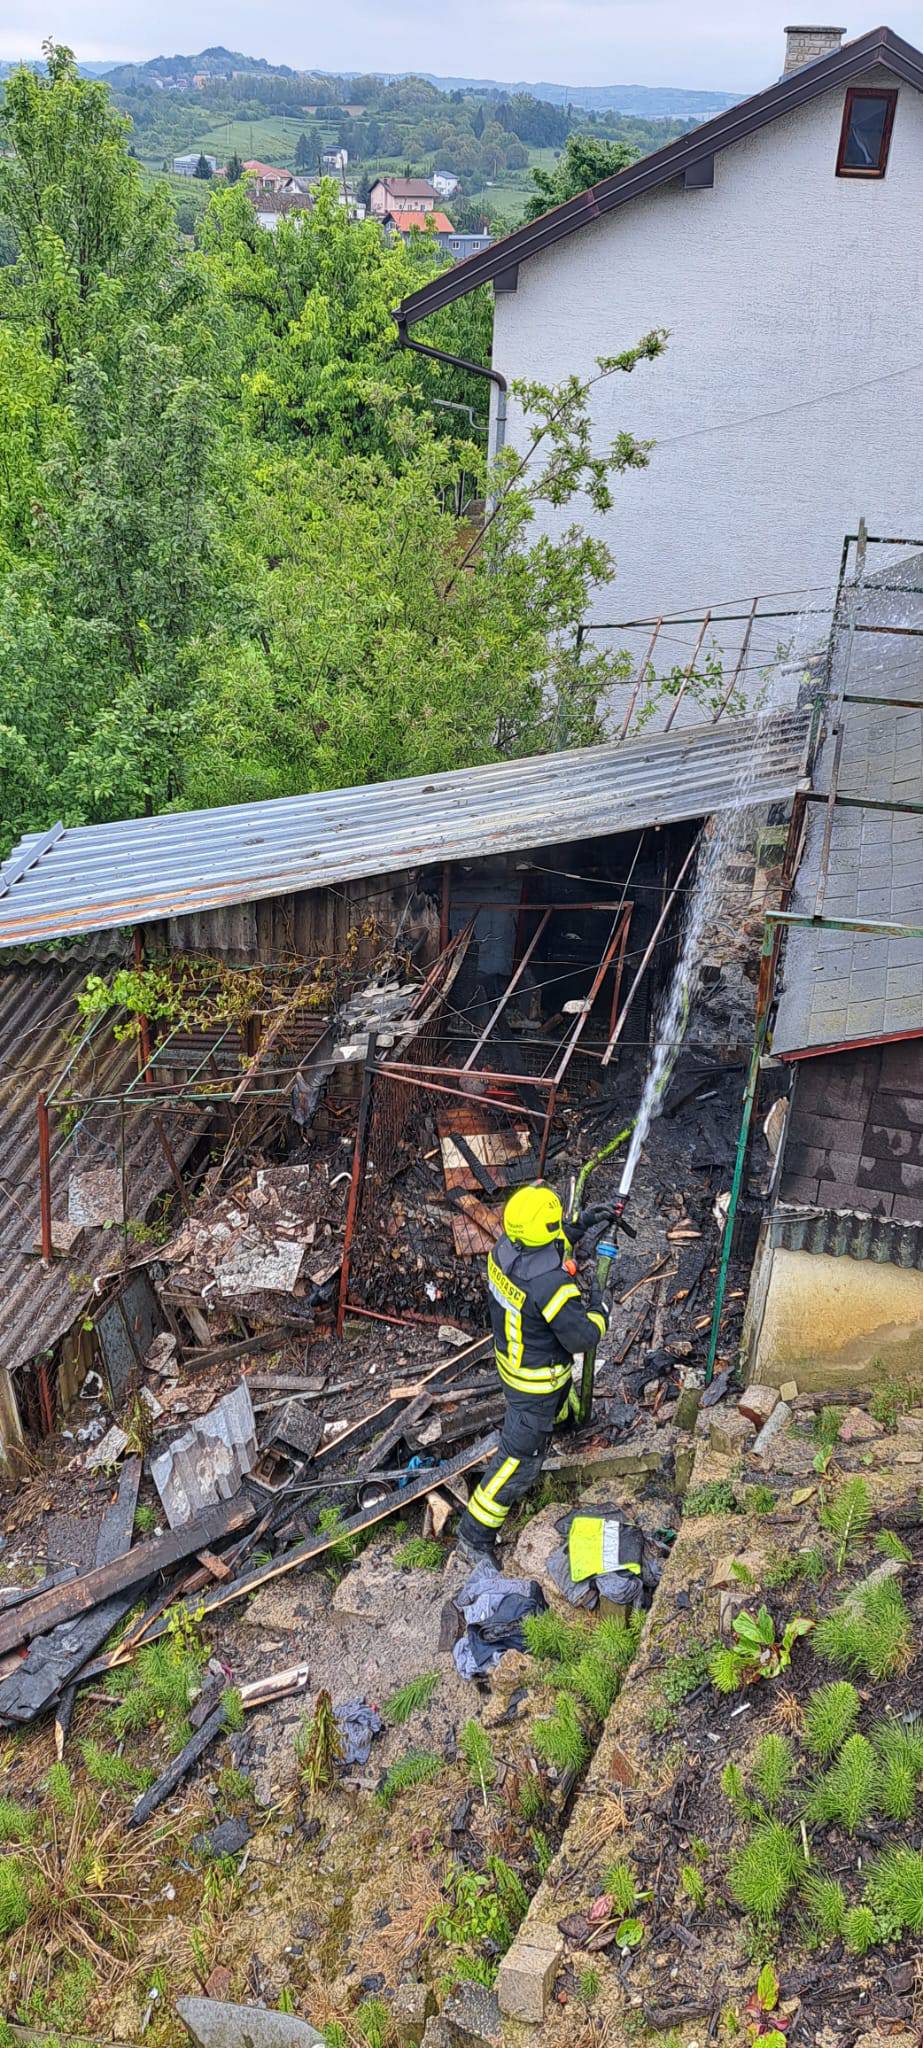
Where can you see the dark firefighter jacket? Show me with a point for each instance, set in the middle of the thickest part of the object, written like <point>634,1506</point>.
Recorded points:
<point>537,1315</point>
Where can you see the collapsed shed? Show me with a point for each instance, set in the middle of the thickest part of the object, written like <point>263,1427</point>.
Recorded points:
<point>517,908</point>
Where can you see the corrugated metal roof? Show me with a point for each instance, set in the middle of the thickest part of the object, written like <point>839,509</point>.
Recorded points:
<point>100,877</point>
<point>844,988</point>
<point>38,1015</point>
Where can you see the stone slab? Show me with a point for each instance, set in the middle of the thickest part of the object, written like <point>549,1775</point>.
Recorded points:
<point>216,2025</point>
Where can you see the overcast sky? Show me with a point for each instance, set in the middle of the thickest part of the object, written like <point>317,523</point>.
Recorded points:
<point>724,44</point>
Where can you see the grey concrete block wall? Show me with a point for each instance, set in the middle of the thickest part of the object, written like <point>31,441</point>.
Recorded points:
<point>855,1138</point>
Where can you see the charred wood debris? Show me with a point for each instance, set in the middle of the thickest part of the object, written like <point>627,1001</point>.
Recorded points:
<point>268,1395</point>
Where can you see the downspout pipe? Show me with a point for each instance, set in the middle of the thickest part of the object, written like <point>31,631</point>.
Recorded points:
<point>441,355</point>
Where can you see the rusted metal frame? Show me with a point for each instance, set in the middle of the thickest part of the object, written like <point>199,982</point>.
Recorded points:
<point>889,703</point>
<point>445,905</point>
<point>170,1157</point>
<point>615,939</point>
<point>208,1059</point>
<point>616,984</point>
<point>687,675</point>
<point>769,954</point>
<point>259,1055</point>
<point>616,1034</point>
<point>839,726</point>
<point>513,1109</point>
<point>642,671</point>
<point>741,658</point>
<point>865,803</point>
<point>44,1396</point>
<point>417,1068</point>
<point>82,1043</point>
<point>44,1172</point>
<point>357,1173</point>
<point>377,1315</point>
<point>511,985</point>
<point>898,632</point>
<point>880,928</point>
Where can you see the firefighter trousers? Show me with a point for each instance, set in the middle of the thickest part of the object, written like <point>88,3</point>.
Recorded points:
<point>516,1464</point>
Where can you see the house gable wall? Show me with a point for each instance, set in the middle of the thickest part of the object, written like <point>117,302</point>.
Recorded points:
<point>781,285</point>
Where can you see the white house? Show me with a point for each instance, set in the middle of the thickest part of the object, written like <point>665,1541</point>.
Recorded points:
<point>445,183</point>
<point>780,246</point>
<point>187,166</point>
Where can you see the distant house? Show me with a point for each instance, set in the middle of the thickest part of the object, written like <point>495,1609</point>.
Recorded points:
<point>451,241</point>
<point>403,222</point>
<point>395,195</point>
<point>267,177</point>
<point>187,166</point>
<point>333,160</point>
<point>445,183</point>
<point>271,207</point>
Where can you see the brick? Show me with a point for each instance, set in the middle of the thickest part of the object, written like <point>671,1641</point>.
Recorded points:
<point>810,1161</point>
<point>908,1209</point>
<point>796,1187</point>
<point>788,1391</point>
<point>911,1178</point>
<point>472,2017</point>
<point>902,1066</point>
<point>884,1142</point>
<point>525,1979</point>
<point>730,1434</point>
<point>757,1403</point>
<point>809,1127</point>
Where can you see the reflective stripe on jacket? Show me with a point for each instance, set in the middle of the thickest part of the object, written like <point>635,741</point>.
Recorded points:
<point>538,1319</point>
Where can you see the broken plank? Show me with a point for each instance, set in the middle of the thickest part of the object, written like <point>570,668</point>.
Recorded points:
<point>215,1566</point>
<point>287,1382</point>
<point>114,1538</point>
<point>355,1525</point>
<point>238,1347</point>
<point>379,1418</point>
<point>81,1595</point>
<point>176,1771</point>
<point>411,1412</point>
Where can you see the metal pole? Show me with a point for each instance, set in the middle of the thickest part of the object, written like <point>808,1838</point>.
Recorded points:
<point>648,950</point>
<point>642,672</point>
<point>681,692</point>
<point>761,1025</point>
<point>44,1174</point>
<point>513,983</point>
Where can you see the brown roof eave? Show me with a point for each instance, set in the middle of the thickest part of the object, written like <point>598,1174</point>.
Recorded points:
<point>878,46</point>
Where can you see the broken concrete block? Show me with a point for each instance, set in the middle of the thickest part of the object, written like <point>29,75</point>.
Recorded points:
<point>437,2034</point>
<point>731,1433</point>
<point>757,1404</point>
<point>684,1461</point>
<point>161,1355</point>
<point>910,1457</point>
<point>525,1979</point>
<point>788,1391</point>
<point>687,1408</point>
<point>108,1451</point>
<point>412,2005</point>
<point>216,2025</point>
<point>857,1427</point>
<point>779,1419</point>
<point>472,2016</point>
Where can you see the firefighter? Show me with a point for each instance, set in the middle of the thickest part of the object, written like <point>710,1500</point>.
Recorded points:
<point>539,1324</point>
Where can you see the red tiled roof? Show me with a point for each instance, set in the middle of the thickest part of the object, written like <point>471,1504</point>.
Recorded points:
<point>259,170</point>
<point>405,221</point>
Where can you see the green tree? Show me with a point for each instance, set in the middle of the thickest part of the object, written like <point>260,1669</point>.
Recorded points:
<point>203,168</point>
<point>100,622</point>
<point>234,169</point>
<point>585,160</point>
<point>89,236</point>
<point>303,152</point>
